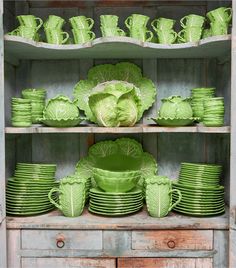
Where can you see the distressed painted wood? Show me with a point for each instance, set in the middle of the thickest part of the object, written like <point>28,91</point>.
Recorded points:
<point>116,47</point>
<point>138,221</point>
<point>169,239</point>
<point>68,262</point>
<point>48,239</point>
<point>164,263</point>
<point>221,245</point>
<point>13,249</point>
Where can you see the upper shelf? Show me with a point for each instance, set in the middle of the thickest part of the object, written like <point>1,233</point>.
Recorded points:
<point>115,47</point>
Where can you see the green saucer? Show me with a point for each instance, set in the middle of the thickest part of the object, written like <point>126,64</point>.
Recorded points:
<point>201,189</point>
<point>113,214</point>
<point>17,213</point>
<point>97,191</point>
<point>116,200</point>
<point>201,214</point>
<point>114,206</point>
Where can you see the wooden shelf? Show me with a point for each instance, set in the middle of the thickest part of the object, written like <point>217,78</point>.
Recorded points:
<point>140,220</point>
<point>17,48</point>
<point>135,129</point>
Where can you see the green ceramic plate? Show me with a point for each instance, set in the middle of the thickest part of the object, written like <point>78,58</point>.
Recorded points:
<point>191,198</point>
<point>113,214</point>
<point>203,189</point>
<point>114,209</point>
<point>200,194</point>
<point>116,200</point>
<point>28,200</point>
<point>189,205</point>
<point>28,208</point>
<point>17,213</point>
<point>135,191</point>
<point>200,174</point>
<point>174,122</point>
<point>114,206</point>
<point>201,214</point>
<point>62,122</point>
<point>28,203</point>
<point>198,210</point>
<point>200,165</point>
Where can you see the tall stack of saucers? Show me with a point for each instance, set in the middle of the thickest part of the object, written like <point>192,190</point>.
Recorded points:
<point>27,192</point>
<point>198,96</point>
<point>37,97</point>
<point>214,112</point>
<point>117,193</point>
<point>201,192</point>
<point>21,112</point>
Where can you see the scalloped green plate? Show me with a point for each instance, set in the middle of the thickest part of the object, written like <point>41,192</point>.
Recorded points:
<point>174,122</point>
<point>63,122</point>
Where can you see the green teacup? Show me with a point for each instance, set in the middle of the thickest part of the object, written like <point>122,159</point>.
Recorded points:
<point>192,21</point>
<point>159,196</point>
<point>30,21</point>
<point>162,24</point>
<point>109,32</point>
<point>54,22</point>
<point>136,20</point>
<point>219,28</point>
<point>141,34</point>
<point>221,15</point>
<point>56,36</point>
<point>27,32</point>
<point>191,34</point>
<point>110,21</point>
<point>71,196</point>
<point>81,22</point>
<point>166,36</point>
<point>82,36</point>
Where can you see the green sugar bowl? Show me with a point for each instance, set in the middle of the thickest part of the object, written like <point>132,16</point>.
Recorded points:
<point>159,196</point>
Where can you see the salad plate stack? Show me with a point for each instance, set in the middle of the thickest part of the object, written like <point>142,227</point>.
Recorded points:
<point>201,193</point>
<point>21,112</point>
<point>198,96</point>
<point>27,192</point>
<point>214,112</point>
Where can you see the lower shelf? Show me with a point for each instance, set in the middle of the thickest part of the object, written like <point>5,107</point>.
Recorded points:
<point>140,220</point>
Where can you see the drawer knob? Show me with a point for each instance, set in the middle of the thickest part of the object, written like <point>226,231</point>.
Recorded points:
<point>171,244</point>
<point>60,243</point>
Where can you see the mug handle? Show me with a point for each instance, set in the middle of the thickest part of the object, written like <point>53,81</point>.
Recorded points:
<point>180,36</point>
<point>128,21</point>
<point>54,190</point>
<point>92,35</point>
<point>150,37</point>
<point>182,22</point>
<point>179,198</point>
<point>153,26</point>
<point>90,22</point>
<point>40,23</point>
<point>14,32</point>
<point>229,11</point>
<point>175,35</point>
<point>66,38</point>
<point>121,32</point>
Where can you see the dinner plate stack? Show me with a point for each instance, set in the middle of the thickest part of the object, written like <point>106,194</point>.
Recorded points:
<point>214,111</point>
<point>27,192</point>
<point>201,193</point>
<point>115,204</point>
<point>21,112</point>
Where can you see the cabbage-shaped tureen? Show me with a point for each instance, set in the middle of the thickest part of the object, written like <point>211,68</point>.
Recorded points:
<point>175,111</point>
<point>115,95</point>
<point>61,112</point>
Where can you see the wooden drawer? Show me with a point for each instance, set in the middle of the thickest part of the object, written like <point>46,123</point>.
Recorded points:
<point>67,262</point>
<point>165,263</point>
<point>166,240</point>
<point>56,239</point>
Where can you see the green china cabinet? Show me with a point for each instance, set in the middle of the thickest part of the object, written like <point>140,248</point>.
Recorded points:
<point>138,240</point>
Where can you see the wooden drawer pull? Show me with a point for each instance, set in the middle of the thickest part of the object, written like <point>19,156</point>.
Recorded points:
<point>171,244</point>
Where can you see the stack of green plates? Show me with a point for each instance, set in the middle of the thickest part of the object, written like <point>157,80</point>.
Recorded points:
<point>201,193</point>
<point>37,97</point>
<point>27,192</point>
<point>88,186</point>
<point>214,112</point>
<point>198,96</point>
<point>21,112</point>
<point>115,204</point>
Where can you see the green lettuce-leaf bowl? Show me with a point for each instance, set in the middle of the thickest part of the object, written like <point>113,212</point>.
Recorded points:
<point>116,174</point>
<point>61,108</point>
<point>71,122</point>
<point>175,122</point>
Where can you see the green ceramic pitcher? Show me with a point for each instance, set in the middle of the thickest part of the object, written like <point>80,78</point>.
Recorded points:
<point>192,20</point>
<point>166,36</point>
<point>110,21</point>
<point>54,22</point>
<point>30,21</point>
<point>136,20</point>
<point>190,34</point>
<point>109,32</point>
<point>82,36</point>
<point>26,32</point>
<point>219,28</point>
<point>162,24</point>
<point>81,22</point>
<point>221,15</point>
<point>141,34</point>
<point>159,196</point>
<point>71,196</point>
<point>56,36</point>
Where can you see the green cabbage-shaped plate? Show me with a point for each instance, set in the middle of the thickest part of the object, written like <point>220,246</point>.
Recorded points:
<point>175,122</point>
<point>71,122</point>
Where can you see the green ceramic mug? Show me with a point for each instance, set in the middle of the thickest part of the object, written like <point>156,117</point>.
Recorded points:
<point>166,36</point>
<point>56,36</point>
<point>81,22</point>
<point>219,28</point>
<point>30,21</point>
<point>162,24</point>
<point>191,34</point>
<point>110,21</point>
<point>136,20</point>
<point>221,15</point>
<point>71,196</point>
<point>27,32</point>
<point>192,21</point>
<point>54,22</point>
<point>109,32</point>
<point>82,36</point>
<point>159,196</point>
<point>141,34</point>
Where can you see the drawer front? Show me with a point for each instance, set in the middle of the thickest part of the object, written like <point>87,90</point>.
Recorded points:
<point>163,240</point>
<point>165,263</point>
<point>67,262</point>
<point>65,239</point>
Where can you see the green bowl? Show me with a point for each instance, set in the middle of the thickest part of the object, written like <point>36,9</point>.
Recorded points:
<point>116,174</point>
